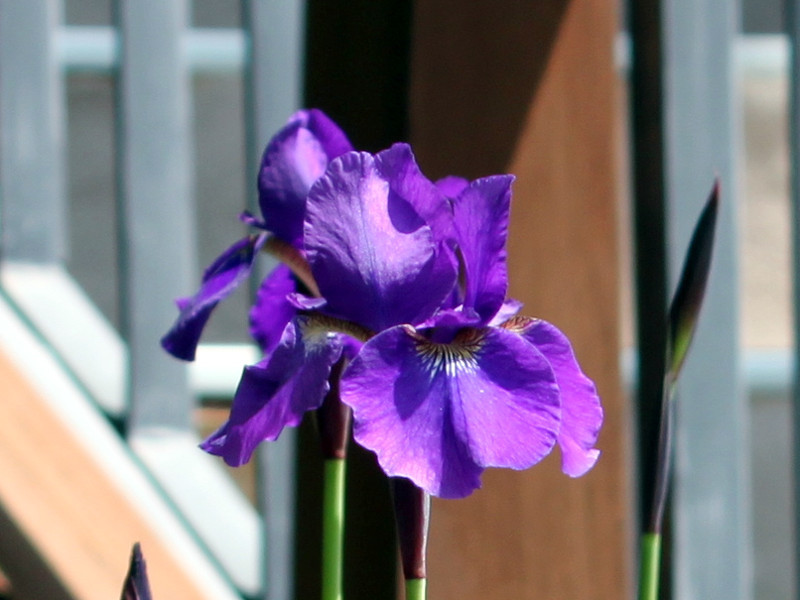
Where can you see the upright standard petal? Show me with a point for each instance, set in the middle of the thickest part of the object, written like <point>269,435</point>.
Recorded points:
<point>374,257</point>
<point>439,414</point>
<point>293,160</point>
<point>272,309</point>
<point>277,392</point>
<point>581,411</point>
<point>398,165</point>
<point>480,215</point>
<point>219,280</point>
<point>452,185</point>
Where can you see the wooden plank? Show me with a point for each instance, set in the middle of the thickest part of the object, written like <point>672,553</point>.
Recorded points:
<point>531,89</point>
<point>56,502</point>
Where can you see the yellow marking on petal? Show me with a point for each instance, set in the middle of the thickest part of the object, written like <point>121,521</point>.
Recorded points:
<point>460,355</point>
<point>292,258</point>
<point>519,324</point>
<point>315,324</point>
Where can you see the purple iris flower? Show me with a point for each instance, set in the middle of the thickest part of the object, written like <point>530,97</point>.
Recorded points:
<point>440,403</point>
<point>448,380</point>
<point>293,160</point>
<point>371,242</point>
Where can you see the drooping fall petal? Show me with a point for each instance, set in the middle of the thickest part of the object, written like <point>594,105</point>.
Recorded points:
<point>277,392</point>
<point>272,309</point>
<point>440,413</point>
<point>220,279</point>
<point>581,412</point>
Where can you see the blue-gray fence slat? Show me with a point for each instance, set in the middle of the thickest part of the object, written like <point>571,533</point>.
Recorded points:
<point>156,201</point>
<point>711,505</point>
<point>32,133</point>
<point>274,79</point>
<point>793,29</point>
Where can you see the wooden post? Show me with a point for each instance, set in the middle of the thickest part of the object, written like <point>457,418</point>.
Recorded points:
<point>531,89</point>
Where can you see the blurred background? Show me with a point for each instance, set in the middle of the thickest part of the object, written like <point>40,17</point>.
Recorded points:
<point>77,190</point>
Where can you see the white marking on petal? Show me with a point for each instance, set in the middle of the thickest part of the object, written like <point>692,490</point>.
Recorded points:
<point>458,356</point>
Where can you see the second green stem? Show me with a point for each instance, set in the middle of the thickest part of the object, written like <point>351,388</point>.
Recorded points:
<point>333,528</point>
<point>415,589</point>
<point>649,568</point>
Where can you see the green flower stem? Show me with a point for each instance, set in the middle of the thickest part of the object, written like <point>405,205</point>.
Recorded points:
<point>649,567</point>
<point>333,529</point>
<point>415,589</point>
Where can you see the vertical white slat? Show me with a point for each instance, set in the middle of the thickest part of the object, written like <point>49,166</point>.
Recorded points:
<point>712,533</point>
<point>156,201</point>
<point>32,134</point>
<point>274,87</point>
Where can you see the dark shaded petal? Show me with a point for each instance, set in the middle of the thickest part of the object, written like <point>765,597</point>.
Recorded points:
<point>292,161</point>
<point>375,259</point>
<point>439,414</point>
<point>581,411</point>
<point>219,280</point>
<point>398,166</point>
<point>330,136</point>
<point>277,392</point>
<point>272,310</point>
<point>481,222</point>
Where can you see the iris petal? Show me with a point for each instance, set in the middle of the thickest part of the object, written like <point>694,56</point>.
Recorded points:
<point>452,185</point>
<point>439,414</point>
<point>374,257</point>
<point>398,165</point>
<point>277,392</point>
<point>219,280</point>
<point>481,213</point>
<point>581,411</point>
<point>293,160</point>
<point>272,310</point>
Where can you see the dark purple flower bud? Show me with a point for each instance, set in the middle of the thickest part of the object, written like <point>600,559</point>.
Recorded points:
<point>136,586</point>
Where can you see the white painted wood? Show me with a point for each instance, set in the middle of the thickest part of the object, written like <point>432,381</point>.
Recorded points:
<point>80,335</point>
<point>69,403</point>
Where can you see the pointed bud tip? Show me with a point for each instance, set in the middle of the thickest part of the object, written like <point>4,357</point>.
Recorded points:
<point>690,293</point>
<point>136,586</point>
